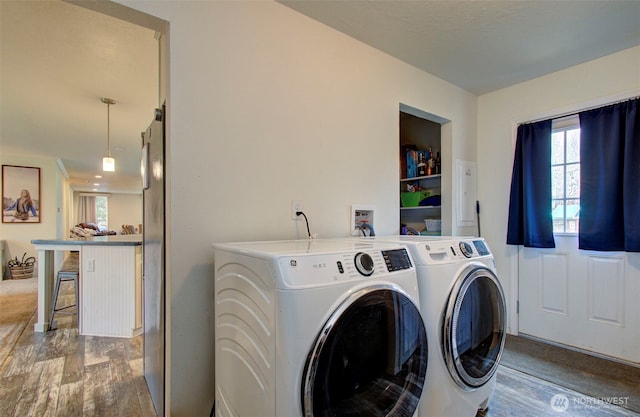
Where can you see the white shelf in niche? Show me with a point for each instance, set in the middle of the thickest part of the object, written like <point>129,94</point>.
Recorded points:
<point>420,208</point>
<point>426,177</point>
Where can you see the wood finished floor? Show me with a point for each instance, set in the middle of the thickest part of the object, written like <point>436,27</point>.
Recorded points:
<point>521,395</point>
<point>60,373</point>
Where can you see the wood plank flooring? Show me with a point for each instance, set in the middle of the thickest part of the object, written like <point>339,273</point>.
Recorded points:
<point>60,373</point>
<point>576,370</point>
<point>520,395</point>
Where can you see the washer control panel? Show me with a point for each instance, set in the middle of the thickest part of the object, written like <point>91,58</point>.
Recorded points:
<point>364,263</point>
<point>397,259</point>
<point>324,269</point>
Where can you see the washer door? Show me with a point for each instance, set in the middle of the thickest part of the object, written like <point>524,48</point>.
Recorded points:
<point>370,358</point>
<point>473,329</point>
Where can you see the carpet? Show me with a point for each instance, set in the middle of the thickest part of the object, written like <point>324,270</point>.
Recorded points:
<point>18,303</point>
<point>18,286</point>
<point>586,374</point>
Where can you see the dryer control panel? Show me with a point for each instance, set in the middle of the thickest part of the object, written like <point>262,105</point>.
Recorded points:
<point>443,251</point>
<point>471,249</point>
<point>467,248</point>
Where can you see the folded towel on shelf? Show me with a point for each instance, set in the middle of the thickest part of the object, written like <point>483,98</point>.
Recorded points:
<point>433,200</point>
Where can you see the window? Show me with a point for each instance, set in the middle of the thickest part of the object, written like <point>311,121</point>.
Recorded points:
<point>102,211</point>
<point>565,174</point>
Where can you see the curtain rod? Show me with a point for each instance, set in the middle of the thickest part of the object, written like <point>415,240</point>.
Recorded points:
<point>574,113</point>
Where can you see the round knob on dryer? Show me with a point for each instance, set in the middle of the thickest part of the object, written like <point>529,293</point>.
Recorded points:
<point>466,249</point>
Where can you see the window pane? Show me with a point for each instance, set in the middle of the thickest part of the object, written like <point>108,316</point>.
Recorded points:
<point>565,175</point>
<point>557,148</point>
<point>573,145</point>
<point>102,212</point>
<point>557,215</point>
<point>573,180</point>
<point>557,182</point>
<point>573,216</point>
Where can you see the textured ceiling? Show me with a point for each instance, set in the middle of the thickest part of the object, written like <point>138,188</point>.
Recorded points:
<point>483,45</point>
<point>58,60</point>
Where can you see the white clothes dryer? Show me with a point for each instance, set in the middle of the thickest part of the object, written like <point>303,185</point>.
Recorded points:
<point>317,328</point>
<point>463,305</point>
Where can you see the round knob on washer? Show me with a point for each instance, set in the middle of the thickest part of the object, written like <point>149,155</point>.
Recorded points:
<point>364,263</point>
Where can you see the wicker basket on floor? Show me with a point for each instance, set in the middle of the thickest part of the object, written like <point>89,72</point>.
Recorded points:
<point>21,272</point>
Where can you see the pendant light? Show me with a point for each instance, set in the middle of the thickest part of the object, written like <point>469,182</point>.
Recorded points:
<point>108,163</point>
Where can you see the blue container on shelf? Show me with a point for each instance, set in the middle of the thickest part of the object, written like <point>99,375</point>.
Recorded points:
<point>411,165</point>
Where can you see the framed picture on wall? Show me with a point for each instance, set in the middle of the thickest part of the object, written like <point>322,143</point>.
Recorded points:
<point>20,194</point>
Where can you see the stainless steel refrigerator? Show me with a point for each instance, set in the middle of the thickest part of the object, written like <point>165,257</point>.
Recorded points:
<point>153,169</point>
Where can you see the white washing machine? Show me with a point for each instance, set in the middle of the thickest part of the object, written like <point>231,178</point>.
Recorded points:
<point>317,328</point>
<point>463,305</point>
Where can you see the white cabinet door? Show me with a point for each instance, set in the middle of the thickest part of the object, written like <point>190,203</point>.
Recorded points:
<point>585,299</point>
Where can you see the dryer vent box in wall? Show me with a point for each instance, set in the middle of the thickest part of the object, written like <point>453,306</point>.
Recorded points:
<point>362,215</point>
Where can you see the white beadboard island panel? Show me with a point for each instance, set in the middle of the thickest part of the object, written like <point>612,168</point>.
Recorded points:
<point>110,291</point>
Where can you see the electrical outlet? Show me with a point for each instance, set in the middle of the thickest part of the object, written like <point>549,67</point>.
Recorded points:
<point>296,206</point>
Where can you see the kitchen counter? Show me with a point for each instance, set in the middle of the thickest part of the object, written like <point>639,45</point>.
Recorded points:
<point>110,283</point>
<point>113,240</point>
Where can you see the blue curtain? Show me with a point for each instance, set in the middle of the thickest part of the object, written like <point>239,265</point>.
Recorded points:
<point>610,178</point>
<point>530,222</point>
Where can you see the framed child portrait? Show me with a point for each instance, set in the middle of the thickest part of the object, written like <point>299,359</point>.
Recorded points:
<point>20,194</point>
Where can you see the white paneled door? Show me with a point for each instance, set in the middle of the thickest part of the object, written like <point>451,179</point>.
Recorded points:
<point>584,299</point>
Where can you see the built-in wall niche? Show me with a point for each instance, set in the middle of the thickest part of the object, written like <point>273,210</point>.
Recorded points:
<point>420,189</point>
<point>419,132</point>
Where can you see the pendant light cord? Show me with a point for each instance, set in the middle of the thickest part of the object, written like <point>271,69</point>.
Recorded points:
<point>108,130</point>
<point>108,102</point>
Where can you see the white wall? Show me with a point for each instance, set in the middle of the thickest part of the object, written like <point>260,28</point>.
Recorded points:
<point>597,82</point>
<point>124,209</point>
<point>18,236</point>
<point>266,106</point>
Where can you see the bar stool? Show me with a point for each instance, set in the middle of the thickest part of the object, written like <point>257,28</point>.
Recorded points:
<point>68,272</point>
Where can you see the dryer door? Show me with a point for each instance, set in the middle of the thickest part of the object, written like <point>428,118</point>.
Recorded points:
<point>473,328</point>
<point>370,358</point>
